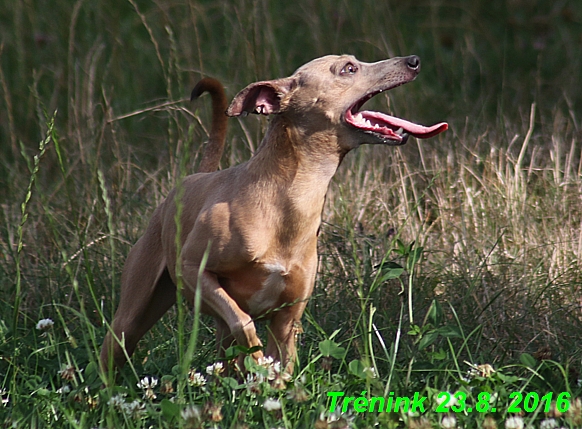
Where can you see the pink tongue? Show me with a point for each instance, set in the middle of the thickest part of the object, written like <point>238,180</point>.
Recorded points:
<point>411,128</point>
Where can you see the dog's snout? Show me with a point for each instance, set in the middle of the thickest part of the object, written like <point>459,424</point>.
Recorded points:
<point>413,62</point>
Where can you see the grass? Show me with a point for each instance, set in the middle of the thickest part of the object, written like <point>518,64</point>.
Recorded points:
<point>451,265</point>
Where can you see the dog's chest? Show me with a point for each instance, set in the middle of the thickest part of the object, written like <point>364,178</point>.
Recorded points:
<point>268,294</point>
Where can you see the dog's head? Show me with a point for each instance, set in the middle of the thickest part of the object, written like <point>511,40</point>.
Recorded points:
<point>330,91</point>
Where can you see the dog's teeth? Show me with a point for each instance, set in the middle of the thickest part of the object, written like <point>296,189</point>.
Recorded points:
<point>360,120</point>
<point>399,131</point>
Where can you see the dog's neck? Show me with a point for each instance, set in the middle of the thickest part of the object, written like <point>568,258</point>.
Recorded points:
<point>290,150</point>
<point>298,163</point>
<point>290,153</point>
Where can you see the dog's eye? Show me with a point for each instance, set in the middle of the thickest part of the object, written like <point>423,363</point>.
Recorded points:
<point>349,68</point>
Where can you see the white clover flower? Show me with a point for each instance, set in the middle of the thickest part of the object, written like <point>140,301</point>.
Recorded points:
<point>278,376</point>
<point>274,369</point>
<point>215,369</point>
<point>191,414</point>
<point>449,422</point>
<point>370,372</point>
<point>253,384</point>
<point>450,397</point>
<point>286,376</point>
<point>196,379</point>
<point>271,404</point>
<point>465,379</point>
<point>117,401</point>
<point>134,409</point>
<point>265,361</point>
<point>337,418</point>
<point>147,383</point>
<point>515,422</point>
<point>549,424</point>
<point>4,397</point>
<point>297,393</point>
<point>45,324</point>
<point>64,389</point>
<point>254,378</point>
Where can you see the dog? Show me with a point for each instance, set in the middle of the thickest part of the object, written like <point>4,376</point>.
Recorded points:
<point>257,224</point>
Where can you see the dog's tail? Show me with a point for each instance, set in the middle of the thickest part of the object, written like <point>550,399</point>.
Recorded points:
<point>215,145</point>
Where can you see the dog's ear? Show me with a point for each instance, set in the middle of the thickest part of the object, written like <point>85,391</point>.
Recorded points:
<point>263,97</point>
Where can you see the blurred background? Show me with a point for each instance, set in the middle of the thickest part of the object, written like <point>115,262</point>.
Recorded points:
<point>483,61</point>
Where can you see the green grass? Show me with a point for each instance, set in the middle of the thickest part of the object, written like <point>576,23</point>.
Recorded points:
<point>437,258</point>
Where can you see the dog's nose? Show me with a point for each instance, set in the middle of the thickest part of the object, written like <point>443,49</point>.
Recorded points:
<point>413,62</point>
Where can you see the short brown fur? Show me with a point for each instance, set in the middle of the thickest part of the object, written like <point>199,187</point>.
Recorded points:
<point>259,219</point>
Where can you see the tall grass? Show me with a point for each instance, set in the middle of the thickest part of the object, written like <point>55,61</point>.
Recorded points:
<point>438,258</point>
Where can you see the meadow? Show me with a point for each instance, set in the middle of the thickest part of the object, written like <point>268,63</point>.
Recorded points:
<point>450,268</point>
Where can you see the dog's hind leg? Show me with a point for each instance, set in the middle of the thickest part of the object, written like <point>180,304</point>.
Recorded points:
<point>147,292</point>
<point>283,330</point>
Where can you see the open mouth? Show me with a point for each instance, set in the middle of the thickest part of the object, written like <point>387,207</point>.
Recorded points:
<point>386,127</point>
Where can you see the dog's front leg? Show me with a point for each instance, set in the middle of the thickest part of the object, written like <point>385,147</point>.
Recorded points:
<point>239,323</point>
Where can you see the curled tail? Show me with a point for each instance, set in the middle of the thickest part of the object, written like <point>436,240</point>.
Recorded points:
<point>215,145</point>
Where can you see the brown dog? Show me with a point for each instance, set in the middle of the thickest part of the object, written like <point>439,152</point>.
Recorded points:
<point>260,219</point>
